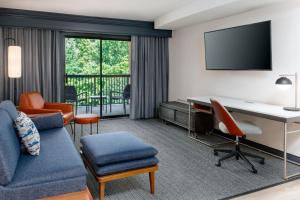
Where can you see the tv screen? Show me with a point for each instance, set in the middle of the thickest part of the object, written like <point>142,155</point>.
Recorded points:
<point>245,47</point>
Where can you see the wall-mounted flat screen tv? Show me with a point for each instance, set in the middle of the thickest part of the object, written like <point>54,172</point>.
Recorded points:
<point>245,47</point>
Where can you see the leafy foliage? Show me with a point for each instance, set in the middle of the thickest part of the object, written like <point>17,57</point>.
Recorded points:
<point>83,56</point>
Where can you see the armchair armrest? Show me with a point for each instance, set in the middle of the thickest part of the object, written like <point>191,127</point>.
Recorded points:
<point>82,93</point>
<point>82,97</point>
<point>116,92</point>
<point>64,107</point>
<point>112,93</point>
<point>39,111</point>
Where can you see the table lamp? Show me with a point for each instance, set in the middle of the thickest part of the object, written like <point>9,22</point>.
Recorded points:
<point>285,83</point>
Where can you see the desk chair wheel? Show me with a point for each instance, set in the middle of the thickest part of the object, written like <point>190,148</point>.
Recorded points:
<point>218,164</point>
<point>216,153</point>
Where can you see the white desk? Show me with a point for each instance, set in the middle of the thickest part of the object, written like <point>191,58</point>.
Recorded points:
<point>267,111</point>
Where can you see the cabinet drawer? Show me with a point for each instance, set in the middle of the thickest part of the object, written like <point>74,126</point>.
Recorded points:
<point>182,118</point>
<point>166,113</point>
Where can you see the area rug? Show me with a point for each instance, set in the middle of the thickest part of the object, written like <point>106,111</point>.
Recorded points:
<point>187,168</point>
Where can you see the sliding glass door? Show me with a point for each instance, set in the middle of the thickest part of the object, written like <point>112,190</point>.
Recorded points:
<point>97,75</point>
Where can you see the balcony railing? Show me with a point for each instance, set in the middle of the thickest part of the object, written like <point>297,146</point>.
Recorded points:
<point>91,84</point>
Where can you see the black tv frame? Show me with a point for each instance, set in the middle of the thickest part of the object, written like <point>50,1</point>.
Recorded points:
<point>271,67</point>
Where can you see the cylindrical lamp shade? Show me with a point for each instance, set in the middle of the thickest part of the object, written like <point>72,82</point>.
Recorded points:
<point>14,62</point>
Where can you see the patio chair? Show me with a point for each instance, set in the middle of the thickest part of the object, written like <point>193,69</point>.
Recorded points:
<point>71,96</point>
<point>124,96</point>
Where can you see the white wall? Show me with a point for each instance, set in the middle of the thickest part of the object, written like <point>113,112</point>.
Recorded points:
<point>188,76</point>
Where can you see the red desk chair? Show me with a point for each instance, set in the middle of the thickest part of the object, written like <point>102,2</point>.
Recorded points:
<point>227,124</point>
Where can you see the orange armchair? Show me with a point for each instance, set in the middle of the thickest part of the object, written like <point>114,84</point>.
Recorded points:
<point>33,103</point>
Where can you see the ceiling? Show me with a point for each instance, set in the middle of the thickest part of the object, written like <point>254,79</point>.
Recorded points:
<point>146,10</point>
<point>206,10</point>
<point>167,14</point>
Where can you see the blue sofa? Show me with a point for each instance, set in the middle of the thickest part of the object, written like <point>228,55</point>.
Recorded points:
<point>57,170</point>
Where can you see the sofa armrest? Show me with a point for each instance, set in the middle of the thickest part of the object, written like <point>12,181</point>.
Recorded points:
<point>39,111</point>
<point>64,107</point>
<point>49,121</point>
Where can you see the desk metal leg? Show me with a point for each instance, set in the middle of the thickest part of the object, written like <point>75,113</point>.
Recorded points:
<point>285,160</point>
<point>284,150</point>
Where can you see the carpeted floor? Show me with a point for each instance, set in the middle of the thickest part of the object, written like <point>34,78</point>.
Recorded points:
<point>187,168</point>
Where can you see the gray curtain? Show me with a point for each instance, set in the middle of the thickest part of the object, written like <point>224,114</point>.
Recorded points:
<point>149,75</point>
<point>42,63</point>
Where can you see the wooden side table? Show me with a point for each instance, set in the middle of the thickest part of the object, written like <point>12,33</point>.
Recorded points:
<point>86,119</point>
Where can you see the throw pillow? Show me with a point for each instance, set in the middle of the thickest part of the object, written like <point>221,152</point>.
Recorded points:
<point>28,133</point>
<point>48,121</point>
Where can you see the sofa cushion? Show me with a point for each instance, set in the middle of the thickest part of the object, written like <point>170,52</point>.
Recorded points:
<point>28,133</point>
<point>109,148</point>
<point>10,108</point>
<point>46,189</point>
<point>58,160</point>
<point>124,166</point>
<point>9,148</point>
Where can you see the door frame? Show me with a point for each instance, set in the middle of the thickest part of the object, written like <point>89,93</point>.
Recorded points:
<point>100,37</point>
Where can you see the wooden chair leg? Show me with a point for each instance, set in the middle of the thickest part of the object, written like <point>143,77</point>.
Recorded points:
<point>152,181</point>
<point>101,191</point>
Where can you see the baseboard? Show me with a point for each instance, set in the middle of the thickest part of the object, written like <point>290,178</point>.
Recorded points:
<point>258,189</point>
<point>262,147</point>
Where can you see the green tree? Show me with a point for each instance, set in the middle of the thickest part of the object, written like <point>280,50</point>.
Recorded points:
<point>83,56</point>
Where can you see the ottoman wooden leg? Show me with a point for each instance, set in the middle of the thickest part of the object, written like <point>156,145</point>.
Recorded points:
<point>152,182</point>
<point>101,191</point>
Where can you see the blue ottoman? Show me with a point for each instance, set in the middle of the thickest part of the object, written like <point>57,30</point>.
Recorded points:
<point>113,156</point>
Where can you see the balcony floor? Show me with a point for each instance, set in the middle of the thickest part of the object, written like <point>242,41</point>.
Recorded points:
<point>116,110</point>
